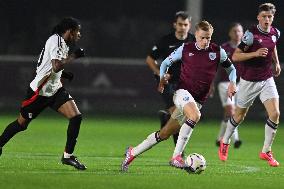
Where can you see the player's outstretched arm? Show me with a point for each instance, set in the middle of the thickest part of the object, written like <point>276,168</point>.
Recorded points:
<point>164,77</point>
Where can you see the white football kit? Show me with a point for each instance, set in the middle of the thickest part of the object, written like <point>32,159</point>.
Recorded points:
<point>46,81</point>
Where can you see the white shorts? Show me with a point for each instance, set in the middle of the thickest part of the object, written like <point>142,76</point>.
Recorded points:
<point>181,98</point>
<point>249,90</point>
<point>225,100</point>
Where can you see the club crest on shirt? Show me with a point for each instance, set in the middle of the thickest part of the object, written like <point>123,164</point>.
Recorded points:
<point>212,55</point>
<point>273,37</point>
<point>190,54</point>
<point>186,98</point>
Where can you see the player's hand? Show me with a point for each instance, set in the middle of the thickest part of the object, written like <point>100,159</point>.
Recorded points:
<point>163,81</point>
<point>277,70</point>
<point>67,75</point>
<point>78,53</point>
<point>261,52</point>
<point>232,89</point>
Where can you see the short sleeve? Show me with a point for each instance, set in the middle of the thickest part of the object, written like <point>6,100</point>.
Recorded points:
<point>278,33</point>
<point>247,38</point>
<point>57,48</point>
<point>223,55</point>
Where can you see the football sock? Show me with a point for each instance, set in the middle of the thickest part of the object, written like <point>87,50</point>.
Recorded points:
<point>12,129</point>
<point>66,155</point>
<point>148,143</point>
<point>72,133</point>
<point>184,135</point>
<point>235,136</point>
<point>223,127</point>
<point>175,137</point>
<point>270,132</point>
<point>231,126</point>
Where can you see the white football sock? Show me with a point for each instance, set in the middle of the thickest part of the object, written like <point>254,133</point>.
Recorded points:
<point>223,127</point>
<point>183,137</point>
<point>148,143</point>
<point>231,126</point>
<point>66,155</point>
<point>235,136</point>
<point>270,132</point>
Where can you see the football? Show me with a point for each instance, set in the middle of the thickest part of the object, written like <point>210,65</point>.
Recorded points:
<point>195,163</point>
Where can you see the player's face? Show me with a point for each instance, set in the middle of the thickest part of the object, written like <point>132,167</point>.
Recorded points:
<point>203,38</point>
<point>75,35</point>
<point>265,19</point>
<point>236,33</point>
<point>182,26</point>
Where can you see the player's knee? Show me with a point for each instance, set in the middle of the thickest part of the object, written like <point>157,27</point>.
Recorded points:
<point>76,120</point>
<point>239,118</point>
<point>275,115</point>
<point>195,116</point>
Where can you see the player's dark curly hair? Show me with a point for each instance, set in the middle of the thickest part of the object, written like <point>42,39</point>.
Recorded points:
<point>66,24</point>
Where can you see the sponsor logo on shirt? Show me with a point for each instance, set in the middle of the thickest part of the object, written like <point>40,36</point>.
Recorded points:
<point>190,54</point>
<point>212,56</point>
<point>172,46</point>
<point>260,40</point>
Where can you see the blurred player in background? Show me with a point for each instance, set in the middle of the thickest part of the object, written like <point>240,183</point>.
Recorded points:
<point>200,57</point>
<point>235,34</point>
<point>161,50</point>
<point>46,89</point>
<point>258,53</point>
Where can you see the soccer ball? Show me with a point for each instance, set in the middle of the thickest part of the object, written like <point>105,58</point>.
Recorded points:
<point>195,163</point>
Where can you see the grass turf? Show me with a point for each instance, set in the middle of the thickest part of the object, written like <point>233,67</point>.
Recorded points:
<point>32,158</point>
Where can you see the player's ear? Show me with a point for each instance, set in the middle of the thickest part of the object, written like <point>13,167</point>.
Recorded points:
<point>175,25</point>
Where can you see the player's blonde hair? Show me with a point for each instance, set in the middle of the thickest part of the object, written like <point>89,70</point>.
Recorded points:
<point>205,26</point>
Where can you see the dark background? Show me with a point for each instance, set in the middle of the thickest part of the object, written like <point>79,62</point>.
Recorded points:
<point>115,28</point>
<point>117,35</point>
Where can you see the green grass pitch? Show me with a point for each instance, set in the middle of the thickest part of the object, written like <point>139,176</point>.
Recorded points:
<point>32,158</point>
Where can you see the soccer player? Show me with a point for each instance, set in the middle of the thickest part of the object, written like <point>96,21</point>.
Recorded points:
<point>257,51</point>
<point>161,50</point>
<point>200,61</point>
<point>235,34</point>
<point>46,89</point>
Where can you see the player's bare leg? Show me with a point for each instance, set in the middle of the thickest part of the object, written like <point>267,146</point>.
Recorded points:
<point>71,112</point>
<point>153,139</point>
<point>12,129</point>
<point>192,115</point>
<point>272,108</point>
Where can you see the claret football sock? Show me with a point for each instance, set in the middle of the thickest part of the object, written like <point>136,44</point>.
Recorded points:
<point>12,129</point>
